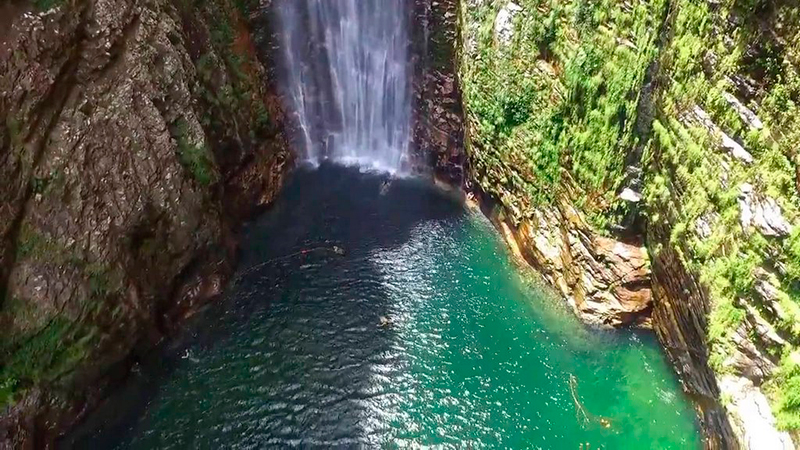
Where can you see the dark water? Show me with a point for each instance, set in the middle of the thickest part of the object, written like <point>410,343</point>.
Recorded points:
<point>477,356</point>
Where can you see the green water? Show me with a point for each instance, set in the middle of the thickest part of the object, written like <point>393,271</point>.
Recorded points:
<point>476,356</point>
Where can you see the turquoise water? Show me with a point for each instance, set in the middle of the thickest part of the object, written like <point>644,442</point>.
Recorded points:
<point>476,355</point>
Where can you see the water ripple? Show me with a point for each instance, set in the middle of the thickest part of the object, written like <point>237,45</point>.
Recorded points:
<point>300,352</point>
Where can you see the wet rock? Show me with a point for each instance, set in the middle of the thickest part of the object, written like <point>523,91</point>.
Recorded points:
<point>438,126</point>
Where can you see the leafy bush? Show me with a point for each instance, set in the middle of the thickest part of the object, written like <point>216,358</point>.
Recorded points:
<point>692,180</point>
<point>557,96</point>
<point>787,394</point>
<point>194,157</point>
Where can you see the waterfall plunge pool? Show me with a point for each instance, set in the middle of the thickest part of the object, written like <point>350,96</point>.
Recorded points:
<point>476,356</point>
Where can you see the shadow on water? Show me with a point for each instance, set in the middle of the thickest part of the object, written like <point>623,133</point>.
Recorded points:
<point>313,318</point>
<point>476,356</point>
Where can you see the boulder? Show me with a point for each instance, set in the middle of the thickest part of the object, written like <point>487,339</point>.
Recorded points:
<point>764,213</point>
<point>629,195</point>
<point>750,411</point>
<point>504,23</point>
<point>748,116</point>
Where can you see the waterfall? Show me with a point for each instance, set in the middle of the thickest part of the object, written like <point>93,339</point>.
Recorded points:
<point>347,73</point>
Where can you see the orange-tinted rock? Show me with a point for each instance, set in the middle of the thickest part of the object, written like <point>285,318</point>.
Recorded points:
<point>605,280</point>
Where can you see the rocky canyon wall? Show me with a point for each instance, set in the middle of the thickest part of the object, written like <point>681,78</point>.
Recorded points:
<point>438,128</point>
<point>134,136</point>
<point>643,155</point>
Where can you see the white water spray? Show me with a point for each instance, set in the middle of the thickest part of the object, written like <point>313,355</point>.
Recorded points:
<point>347,73</point>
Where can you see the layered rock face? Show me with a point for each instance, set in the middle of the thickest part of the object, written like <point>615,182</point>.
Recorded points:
<point>135,136</point>
<point>644,156</point>
<point>721,191</point>
<point>550,162</point>
<point>438,142</point>
<point>605,280</point>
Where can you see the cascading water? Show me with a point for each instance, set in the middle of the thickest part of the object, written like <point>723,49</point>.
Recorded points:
<point>347,70</point>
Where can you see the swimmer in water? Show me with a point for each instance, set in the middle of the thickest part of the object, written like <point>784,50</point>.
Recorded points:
<point>385,186</point>
<point>188,355</point>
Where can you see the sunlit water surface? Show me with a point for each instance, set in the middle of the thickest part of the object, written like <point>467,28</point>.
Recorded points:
<point>476,356</point>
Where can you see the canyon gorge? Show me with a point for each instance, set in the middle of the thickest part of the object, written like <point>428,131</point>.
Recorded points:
<point>641,156</point>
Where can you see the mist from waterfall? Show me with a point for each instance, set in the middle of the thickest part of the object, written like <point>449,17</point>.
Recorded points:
<point>347,70</point>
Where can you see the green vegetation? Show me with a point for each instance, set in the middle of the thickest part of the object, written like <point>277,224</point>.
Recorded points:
<point>693,183</point>
<point>43,346</point>
<point>245,7</point>
<point>562,94</point>
<point>33,243</point>
<point>29,242</point>
<point>786,392</point>
<point>263,122</point>
<point>13,132</point>
<point>46,5</point>
<point>557,112</point>
<point>229,84</point>
<point>195,157</point>
<point>42,357</point>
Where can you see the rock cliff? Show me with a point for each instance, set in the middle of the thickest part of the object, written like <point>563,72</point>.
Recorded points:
<point>134,136</point>
<point>643,156</point>
<point>438,141</point>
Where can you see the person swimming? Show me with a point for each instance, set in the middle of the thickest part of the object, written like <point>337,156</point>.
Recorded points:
<point>385,185</point>
<point>188,355</point>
